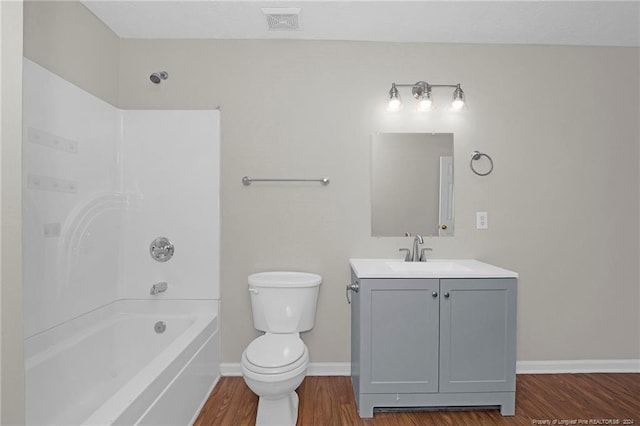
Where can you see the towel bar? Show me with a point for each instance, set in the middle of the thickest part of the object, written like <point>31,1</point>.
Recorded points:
<point>246,180</point>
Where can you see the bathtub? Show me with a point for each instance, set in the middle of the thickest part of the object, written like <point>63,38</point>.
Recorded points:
<point>110,366</point>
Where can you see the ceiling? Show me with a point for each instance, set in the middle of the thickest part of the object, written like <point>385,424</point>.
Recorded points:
<point>589,23</point>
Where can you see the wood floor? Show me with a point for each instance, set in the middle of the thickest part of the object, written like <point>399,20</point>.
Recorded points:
<point>600,399</point>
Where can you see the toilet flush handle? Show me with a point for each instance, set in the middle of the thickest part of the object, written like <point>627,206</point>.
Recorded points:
<point>253,290</point>
<point>354,287</point>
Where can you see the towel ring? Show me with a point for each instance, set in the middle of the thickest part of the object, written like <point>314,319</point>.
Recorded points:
<point>476,156</point>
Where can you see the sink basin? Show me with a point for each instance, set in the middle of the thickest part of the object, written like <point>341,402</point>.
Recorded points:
<point>429,266</point>
<point>433,268</point>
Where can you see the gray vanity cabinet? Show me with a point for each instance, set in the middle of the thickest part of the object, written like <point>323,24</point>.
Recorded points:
<point>428,342</point>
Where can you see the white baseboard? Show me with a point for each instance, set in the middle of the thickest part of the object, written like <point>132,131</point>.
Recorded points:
<point>314,369</point>
<point>522,367</point>
<point>579,366</point>
<point>329,369</point>
<point>228,369</point>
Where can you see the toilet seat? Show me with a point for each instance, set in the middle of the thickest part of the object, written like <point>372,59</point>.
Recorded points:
<point>275,354</point>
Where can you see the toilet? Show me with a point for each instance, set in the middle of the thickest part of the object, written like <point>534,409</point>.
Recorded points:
<point>273,365</point>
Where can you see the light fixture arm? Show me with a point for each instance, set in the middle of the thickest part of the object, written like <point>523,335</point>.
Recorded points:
<point>444,85</point>
<point>421,83</point>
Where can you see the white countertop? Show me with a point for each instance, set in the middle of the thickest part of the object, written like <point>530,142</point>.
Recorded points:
<point>434,268</point>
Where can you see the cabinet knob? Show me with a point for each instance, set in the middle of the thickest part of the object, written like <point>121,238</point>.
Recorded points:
<point>434,294</point>
<point>446,295</point>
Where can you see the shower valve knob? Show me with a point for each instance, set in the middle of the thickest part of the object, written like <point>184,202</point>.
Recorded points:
<point>161,249</point>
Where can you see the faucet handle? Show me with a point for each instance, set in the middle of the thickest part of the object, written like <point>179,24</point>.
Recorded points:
<point>407,255</point>
<point>423,257</point>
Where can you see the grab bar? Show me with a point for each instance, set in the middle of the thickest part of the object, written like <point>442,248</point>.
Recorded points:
<point>246,180</point>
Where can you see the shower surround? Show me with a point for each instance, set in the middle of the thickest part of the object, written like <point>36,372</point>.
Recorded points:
<point>100,184</point>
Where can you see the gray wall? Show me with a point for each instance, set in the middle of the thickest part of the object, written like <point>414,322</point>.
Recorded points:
<point>562,201</point>
<point>67,39</point>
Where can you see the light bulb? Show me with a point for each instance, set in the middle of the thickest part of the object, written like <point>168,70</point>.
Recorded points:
<point>394,99</point>
<point>458,98</point>
<point>425,103</point>
<point>394,105</point>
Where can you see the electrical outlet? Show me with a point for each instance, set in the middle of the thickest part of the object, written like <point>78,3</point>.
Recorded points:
<point>482,220</point>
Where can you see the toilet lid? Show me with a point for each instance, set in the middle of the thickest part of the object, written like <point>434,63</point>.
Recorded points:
<point>275,350</point>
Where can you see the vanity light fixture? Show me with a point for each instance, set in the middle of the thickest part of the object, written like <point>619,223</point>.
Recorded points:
<point>422,93</point>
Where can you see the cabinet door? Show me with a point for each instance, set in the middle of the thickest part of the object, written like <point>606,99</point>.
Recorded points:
<point>399,340</point>
<point>477,335</point>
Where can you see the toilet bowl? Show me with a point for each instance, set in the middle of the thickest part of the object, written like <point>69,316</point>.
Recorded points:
<point>274,375</point>
<point>275,364</point>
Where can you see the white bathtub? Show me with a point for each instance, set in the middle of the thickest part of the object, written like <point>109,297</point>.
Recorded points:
<point>111,367</point>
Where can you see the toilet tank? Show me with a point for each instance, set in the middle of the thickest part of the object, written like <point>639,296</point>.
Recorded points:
<point>284,302</point>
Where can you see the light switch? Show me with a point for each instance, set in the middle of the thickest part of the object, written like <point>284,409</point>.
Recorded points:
<point>482,220</point>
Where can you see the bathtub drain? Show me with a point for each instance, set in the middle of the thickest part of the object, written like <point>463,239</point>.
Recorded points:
<point>160,327</point>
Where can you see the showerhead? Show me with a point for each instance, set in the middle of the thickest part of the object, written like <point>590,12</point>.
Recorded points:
<point>157,77</point>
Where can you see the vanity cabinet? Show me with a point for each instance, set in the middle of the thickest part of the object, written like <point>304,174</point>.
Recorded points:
<point>433,342</point>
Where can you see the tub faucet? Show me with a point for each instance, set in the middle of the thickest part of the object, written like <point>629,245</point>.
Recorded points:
<point>158,288</point>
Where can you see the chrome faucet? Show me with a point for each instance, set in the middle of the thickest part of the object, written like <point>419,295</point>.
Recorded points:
<point>158,288</point>
<point>415,257</point>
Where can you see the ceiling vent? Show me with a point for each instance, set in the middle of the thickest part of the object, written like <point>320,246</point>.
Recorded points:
<point>282,18</point>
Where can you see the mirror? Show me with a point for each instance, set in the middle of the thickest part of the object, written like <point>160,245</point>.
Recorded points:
<point>412,184</point>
